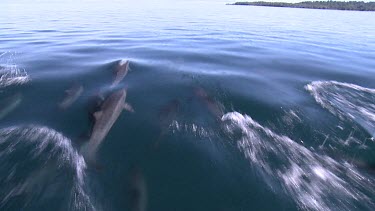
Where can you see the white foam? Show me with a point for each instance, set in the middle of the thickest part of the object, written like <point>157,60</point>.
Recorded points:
<point>191,129</point>
<point>346,101</point>
<point>312,180</point>
<point>51,148</point>
<point>12,75</point>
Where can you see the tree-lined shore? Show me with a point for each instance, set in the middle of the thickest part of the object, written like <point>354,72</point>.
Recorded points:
<point>333,5</point>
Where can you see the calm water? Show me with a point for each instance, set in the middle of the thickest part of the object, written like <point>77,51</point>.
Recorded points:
<point>236,108</point>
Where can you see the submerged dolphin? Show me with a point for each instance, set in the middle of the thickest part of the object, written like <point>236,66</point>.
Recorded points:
<point>121,70</point>
<point>109,111</point>
<point>10,104</point>
<point>167,114</point>
<point>138,191</point>
<point>38,180</point>
<point>215,108</point>
<point>71,95</point>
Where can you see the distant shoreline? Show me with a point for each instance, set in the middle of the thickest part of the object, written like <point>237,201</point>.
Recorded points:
<point>330,5</point>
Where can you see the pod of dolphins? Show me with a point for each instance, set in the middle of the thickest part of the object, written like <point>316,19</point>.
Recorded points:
<point>107,112</point>
<point>105,117</point>
<point>110,108</point>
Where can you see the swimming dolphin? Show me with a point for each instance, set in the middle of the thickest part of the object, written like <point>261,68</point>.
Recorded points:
<point>121,70</point>
<point>167,114</point>
<point>215,108</point>
<point>38,180</point>
<point>138,191</point>
<point>109,111</point>
<point>71,95</point>
<point>94,103</point>
<point>10,104</point>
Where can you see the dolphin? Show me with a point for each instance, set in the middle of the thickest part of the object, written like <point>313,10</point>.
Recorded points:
<point>215,108</point>
<point>10,104</point>
<point>167,114</point>
<point>71,95</point>
<point>138,191</point>
<point>121,70</point>
<point>94,103</point>
<point>38,180</point>
<point>109,112</point>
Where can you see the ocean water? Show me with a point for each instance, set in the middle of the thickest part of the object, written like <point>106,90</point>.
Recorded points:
<point>235,107</point>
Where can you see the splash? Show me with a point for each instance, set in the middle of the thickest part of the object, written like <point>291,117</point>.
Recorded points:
<point>13,75</point>
<point>191,129</point>
<point>40,166</point>
<point>312,180</point>
<point>346,101</point>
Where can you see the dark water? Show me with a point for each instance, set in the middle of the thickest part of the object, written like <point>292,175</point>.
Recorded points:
<point>236,108</point>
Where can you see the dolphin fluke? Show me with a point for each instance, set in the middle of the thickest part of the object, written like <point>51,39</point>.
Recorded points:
<point>138,191</point>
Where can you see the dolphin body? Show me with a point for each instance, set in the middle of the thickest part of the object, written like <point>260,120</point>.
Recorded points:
<point>121,71</point>
<point>109,112</point>
<point>138,191</point>
<point>71,95</point>
<point>215,108</point>
<point>168,113</point>
<point>37,181</point>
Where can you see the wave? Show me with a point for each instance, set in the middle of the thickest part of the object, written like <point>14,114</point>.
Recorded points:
<point>40,166</point>
<point>314,181</point>
<point>346,101</point>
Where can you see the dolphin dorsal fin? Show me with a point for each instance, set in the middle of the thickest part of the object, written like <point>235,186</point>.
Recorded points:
<point>128,107</point>
<point>98,114</point>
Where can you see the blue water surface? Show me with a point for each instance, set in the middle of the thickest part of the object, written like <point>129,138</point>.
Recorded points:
<point>236,107</point>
